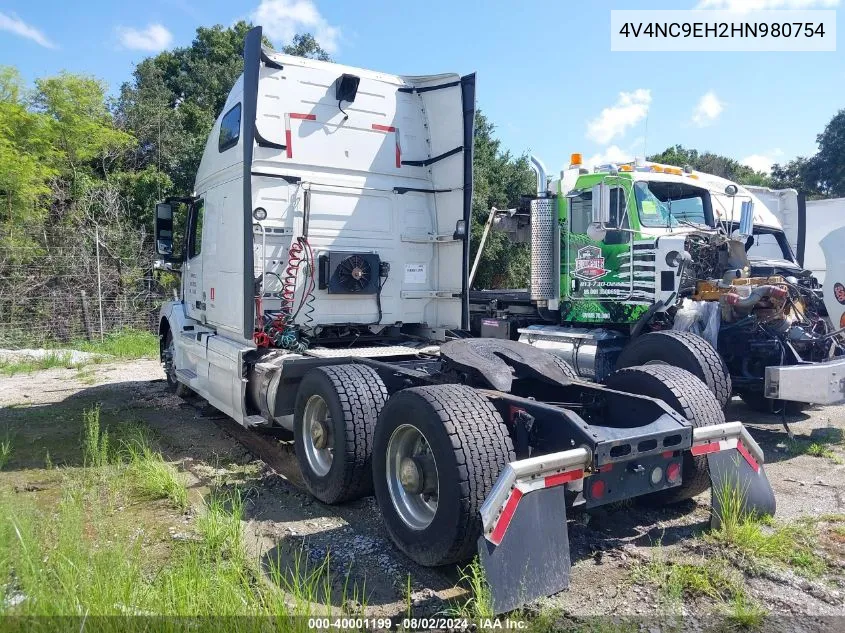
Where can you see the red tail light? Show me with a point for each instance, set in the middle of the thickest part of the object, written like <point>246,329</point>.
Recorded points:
<point>673,472</point>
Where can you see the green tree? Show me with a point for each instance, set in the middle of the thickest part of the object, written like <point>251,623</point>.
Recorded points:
<point>827,167</point>
<point>499,179</point>
<point>25,158</point>
<point>174,98</point>
<point>710,163</point>
<point>304,45</point>
<point>79,124</point>
<point>796,174</point>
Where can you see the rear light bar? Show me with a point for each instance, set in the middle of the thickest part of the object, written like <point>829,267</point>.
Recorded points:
<point>545,471</point>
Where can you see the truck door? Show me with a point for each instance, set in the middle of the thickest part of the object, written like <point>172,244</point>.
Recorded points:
<point>598,271</point>
<point>193,292</point>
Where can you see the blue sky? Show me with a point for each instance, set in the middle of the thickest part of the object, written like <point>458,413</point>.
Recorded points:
<point>546,75</point>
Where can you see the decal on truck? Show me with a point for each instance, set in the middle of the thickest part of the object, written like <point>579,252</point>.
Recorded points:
<point>589,263</point>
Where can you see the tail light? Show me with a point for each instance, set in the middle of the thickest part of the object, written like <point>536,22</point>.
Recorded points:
<point>673,472</point>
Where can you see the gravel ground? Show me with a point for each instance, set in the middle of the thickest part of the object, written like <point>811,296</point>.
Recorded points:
<point>284,523</point>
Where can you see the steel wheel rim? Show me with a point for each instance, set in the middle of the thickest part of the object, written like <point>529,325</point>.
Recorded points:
<point>416,510</point>
<point>317,420</point>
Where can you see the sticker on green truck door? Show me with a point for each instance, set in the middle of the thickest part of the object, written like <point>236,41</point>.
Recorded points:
<point>589,263</point>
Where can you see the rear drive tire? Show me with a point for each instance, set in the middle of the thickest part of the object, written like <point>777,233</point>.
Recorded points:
<point>687,395</point>
<point>464,446</point>
<point>681,349</point>
<point>334,419</point>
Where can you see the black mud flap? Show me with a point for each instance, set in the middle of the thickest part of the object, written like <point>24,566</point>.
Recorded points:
<point>532,561</point>
<point>739,485</point>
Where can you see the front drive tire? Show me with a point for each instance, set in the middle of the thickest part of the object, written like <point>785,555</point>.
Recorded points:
<point>334,418</point>
<point>176,387</point>
<point>687,395</point>
<point>464,436</point>
<point>681,349</point>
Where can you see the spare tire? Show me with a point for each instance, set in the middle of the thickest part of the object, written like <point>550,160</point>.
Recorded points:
<point>681,349</point>
<point>687,395</point>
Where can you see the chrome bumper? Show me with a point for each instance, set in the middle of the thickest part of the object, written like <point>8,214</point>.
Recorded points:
<point>820,383</point>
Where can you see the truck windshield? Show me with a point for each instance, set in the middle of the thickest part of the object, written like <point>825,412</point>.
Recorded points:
<point>667,204</point>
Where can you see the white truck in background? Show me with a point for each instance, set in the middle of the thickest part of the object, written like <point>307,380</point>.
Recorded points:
<point>815,230</point>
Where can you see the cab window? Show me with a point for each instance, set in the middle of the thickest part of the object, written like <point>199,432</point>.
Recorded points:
<point>230,129</point>
<point>195,229</point>
<point>618,217</point>
<point>580,212</point>
<point>581,215</point>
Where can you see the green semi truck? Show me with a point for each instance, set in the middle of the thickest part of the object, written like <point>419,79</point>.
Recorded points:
<point>644,263</point>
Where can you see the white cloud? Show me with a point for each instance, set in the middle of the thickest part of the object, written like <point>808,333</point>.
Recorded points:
<point>708,109</point>
<point>611,154</point>
<point>629,109</point>
<point>763,162</point>
<point>154,38</point>
<point>13,24</point>
<point>282,19</point>
<point>755,5</point>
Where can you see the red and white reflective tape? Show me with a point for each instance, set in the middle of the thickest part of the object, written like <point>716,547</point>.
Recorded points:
<point>389,128</point>
<point>725,437</point>
<point>288,134</point>
<point>521,489</point>
<point>524,476</point>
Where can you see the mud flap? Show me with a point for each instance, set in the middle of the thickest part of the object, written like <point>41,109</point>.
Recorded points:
<point>739,486</point>
<point>532,560</point>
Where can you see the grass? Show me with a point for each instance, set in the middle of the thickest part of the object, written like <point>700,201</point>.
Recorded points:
<point>29,364</point>
<point>121,344</point>
<point>220,523</point>
<point>98,543</point>
<point>5,452</point>
<point>125,344</point>
<point>761,540</point>
<point>678,582</point>
<point>153,478</point>
<point>95,440</point>
<point>820,448</point>
<point>479,604</point>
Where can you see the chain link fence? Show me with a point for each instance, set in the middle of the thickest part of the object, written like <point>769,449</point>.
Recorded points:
<point>77,283</point>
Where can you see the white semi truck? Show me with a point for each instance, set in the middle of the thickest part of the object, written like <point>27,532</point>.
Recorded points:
<point>325,290</point>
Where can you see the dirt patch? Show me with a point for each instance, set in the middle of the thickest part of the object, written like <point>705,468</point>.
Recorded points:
<point>285,524</point>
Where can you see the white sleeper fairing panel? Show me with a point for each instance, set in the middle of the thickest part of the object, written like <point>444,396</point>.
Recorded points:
<point>364,196</point>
